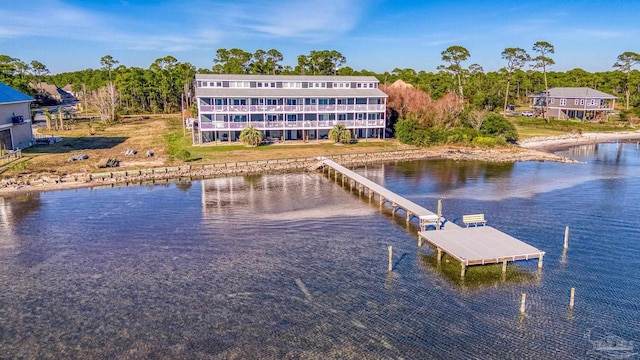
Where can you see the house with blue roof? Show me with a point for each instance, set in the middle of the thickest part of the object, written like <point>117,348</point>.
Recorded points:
<point>15,119</point>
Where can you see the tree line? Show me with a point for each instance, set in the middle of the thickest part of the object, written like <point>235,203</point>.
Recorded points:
<point>162,86</point>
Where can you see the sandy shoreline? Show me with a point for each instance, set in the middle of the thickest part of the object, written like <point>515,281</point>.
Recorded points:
<point>534,149</point>
<point>566,141</point>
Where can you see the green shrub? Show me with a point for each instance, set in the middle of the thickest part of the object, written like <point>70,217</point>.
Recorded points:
<point>485,141</point>
<point>183,155</point>
<point>407,131</point>
<point>496,125</point>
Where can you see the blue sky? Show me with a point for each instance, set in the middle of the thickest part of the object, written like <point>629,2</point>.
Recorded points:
<point>377,35</point>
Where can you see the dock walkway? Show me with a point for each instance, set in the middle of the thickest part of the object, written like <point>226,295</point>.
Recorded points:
<point>425,216</point>
<point>478,245</point>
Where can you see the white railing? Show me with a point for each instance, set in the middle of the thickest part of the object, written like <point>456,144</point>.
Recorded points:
<point>289,108</point>
<point>298,125</point>
<point>10,156</point>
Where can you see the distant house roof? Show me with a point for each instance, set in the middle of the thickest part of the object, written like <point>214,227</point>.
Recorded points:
<point>575,93</point>
<point>11,95</point>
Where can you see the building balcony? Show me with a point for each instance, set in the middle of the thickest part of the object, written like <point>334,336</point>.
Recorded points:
<point>290,125</point>
<point>291,108</point>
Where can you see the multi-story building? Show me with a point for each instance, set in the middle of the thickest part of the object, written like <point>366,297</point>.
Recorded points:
<point>574,103</point>
<point>15,119</point>
<point>288,107</point>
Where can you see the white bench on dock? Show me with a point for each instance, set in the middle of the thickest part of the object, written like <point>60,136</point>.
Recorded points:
<point>474,219</point>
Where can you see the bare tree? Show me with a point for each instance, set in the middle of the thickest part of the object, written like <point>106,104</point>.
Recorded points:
<point>105,100</point>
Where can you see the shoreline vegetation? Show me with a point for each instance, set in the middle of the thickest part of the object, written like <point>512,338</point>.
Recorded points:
<point>532,149</point>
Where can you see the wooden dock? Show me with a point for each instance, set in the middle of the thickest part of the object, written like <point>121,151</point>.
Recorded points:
<point>425,217</point>
<point>476,245</point>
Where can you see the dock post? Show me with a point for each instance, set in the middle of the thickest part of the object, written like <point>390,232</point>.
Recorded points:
<point>523,301</point>
<point>419,240</point>
<point>571,298</point>
<point>463,269</point>
<point>390,257</point>
<point>381,200</point>
<point>439,213</point>
<point>342,180</point>
<point>540,261</point>
<point>370,194</point>
<point>395,207</point>
<point>566,237</point>
<point>408,216</point>
<point>504,266</point>
<point>439,256</point>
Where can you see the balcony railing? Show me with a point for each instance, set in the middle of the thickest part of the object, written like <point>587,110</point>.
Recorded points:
<point>289,108</point>
<point>297,125</point>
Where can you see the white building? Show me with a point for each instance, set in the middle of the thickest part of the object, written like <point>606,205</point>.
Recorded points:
<point>15,119</point>
<point>288,107</point>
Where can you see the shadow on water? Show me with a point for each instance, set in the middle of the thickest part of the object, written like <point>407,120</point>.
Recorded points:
<point>478,276</point>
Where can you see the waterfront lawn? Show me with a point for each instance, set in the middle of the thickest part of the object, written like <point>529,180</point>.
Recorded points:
<point>528,127</point>
<point>163,135</point>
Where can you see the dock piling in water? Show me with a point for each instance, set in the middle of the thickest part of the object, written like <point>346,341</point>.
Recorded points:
<point>566,237</point>
<point>572,298</point>
<point>390,257</point>
<point>523,301</point>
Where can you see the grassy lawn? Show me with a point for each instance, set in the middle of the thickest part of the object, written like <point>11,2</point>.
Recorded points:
<point>533,127</point>
<point>163,135</point>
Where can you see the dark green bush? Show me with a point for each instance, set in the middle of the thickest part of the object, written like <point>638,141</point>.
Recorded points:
<point>496,125</point>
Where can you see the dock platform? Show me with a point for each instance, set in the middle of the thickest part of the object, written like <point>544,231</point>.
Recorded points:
<point>480,245</point>
<point>476,245</point>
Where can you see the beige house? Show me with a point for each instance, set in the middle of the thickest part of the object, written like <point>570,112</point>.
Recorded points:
<point>15,119</point>
<point>573,103</point>
<point>62,95</point>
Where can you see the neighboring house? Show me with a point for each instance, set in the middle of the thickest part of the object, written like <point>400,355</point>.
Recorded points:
<point>288,107</point>
<point>15,118</point>
<point>574,103</point>
<point>61,95</point>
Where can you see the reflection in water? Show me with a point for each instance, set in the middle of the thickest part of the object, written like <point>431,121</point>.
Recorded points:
<point>13,210</point>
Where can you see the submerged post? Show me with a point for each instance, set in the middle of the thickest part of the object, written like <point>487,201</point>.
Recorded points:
<point>566,237</point>
<point>571,298</point>
<point>523,301</point>
<point>390,257</point>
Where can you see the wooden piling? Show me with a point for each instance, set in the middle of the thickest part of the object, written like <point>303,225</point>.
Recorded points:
<point>390,257</point>
<point>523,301</point>
<point>463,270</point>
<point>572,297</point>
<point>504,266</point>
<point>566,237</point>
<point>540,262</point>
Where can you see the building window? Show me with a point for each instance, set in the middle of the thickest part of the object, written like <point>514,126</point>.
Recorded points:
<point>266,85</point>
<point>341,85</point>
<point>317,85</point>
<point>563,102</point>
<point>577,102</point>
<point>581,101</point>
<point>239,84</point>
<point>292,85</point>
<point>592,102</point>
<point>552,101</point>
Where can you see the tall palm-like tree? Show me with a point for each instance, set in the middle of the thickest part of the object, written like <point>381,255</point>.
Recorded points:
<point>340,133</point>
<point>543,61</point>
<point>251,136</point>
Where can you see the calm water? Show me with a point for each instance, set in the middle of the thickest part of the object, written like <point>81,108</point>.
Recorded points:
<point>295,267</point>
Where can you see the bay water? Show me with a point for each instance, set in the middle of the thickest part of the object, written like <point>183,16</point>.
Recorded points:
<point>294,266</point>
